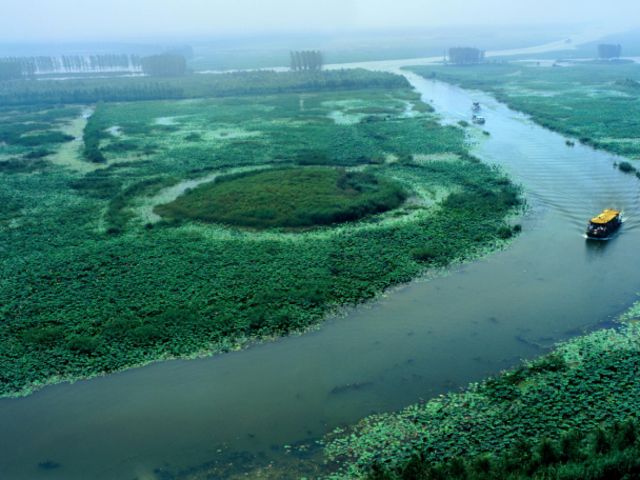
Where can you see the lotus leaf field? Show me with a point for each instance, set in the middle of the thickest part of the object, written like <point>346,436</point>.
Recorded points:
<point>95,281</point>
<point>584,384</point>
<point>607,452</point>
<point>581,100</point>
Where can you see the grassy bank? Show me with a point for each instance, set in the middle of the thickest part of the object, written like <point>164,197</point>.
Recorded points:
<point>94,282</point>
<point>521,420</point>
<point>597,104</point>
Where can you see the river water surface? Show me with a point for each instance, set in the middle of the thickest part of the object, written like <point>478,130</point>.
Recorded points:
<point>419,340</point>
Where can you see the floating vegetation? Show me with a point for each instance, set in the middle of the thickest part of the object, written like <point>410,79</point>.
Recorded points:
<point>94,283</point>
<point>295,462</point>
<point>597,104</point>
<point>607,452</point>
<point>583,384</point>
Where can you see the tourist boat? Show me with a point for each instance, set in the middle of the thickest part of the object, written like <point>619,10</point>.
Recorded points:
<point>478,120</point>
<point>604,225</point>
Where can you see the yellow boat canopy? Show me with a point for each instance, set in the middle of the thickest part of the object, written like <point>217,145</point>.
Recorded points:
<point>605,217</point>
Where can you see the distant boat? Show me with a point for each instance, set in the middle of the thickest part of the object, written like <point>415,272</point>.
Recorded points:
<point>475,107</point>
<point>477,119</point>
<point>604,225</point>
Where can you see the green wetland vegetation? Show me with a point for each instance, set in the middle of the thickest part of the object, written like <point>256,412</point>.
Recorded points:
<point>108,263</point>
<point>608,452</point>
<point>597,104</point>
<point>147,219</point>
<point>125,89</point>
<point>291,198</point>
<point>571,414</point>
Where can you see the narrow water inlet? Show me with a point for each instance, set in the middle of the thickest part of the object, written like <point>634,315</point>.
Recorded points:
<point>419,340</point>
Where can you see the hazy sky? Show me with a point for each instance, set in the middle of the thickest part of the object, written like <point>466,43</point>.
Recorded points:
<point>30,20</point>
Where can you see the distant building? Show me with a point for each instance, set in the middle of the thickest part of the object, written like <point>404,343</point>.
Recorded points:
<point>465,56</point>
<point>608,51</point>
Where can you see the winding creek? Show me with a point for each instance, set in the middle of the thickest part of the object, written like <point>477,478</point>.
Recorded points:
<point>417,341</point>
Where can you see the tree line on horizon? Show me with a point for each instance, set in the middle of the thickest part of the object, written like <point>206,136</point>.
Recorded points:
<point>75,63</point>
<point>93,90</point>
<point>167,64</point>
<point>306,60</point>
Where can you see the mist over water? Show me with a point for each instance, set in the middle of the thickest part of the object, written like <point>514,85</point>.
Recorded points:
<point>57,20</point>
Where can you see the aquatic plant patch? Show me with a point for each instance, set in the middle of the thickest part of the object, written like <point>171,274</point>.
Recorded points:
<point>607,452</point>
<point>288,198</point>
<point>597,104</point>
<point>585,383</point>
<point>34,133</point>
<point>90,286</point>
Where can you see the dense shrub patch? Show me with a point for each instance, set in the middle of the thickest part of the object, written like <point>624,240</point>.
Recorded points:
<point>290,198</point>
<point>91,136</point>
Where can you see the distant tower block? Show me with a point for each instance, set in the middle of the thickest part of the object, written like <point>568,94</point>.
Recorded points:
<point>465,55</point>
<point>608,51</point>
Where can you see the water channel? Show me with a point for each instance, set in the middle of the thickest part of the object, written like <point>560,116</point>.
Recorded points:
<point>419,340</point>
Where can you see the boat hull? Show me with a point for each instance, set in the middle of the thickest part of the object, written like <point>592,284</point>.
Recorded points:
<point>604,232</point>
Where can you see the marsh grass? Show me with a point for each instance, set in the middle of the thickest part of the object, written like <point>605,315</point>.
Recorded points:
<point>287,198</point>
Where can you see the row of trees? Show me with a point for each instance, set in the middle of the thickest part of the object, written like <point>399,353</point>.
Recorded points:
<point>167,64</point>
<point>92,90</point>
<point>307,61</point>
<point>76,64</point>
<point>49,93</point>
<point>465,55</point>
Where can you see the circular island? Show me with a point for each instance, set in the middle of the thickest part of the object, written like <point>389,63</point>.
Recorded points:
<point>290,198</point>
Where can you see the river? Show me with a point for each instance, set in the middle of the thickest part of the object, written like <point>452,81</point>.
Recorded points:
<point>419,340</point>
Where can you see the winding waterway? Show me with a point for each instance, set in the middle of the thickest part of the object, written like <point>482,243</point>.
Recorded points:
<point>417,341</point>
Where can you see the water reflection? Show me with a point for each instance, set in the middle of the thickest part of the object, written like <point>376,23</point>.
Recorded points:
<point>596,249</point>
